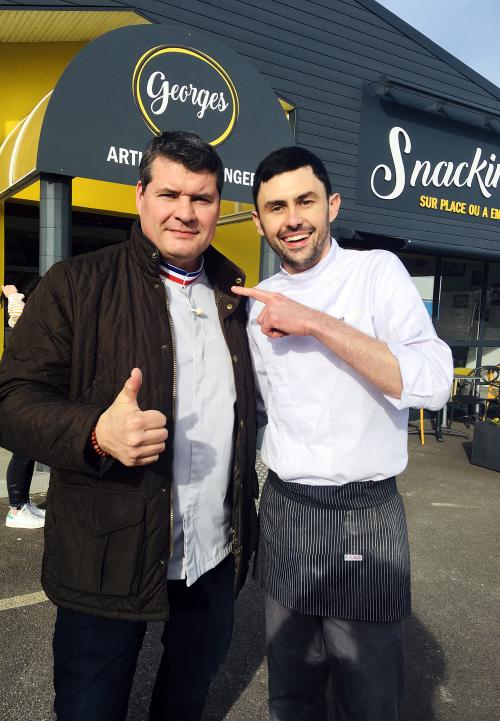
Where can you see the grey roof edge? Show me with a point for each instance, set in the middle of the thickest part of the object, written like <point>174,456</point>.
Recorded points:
<point>67,5</point>
<point>370,5</point>
<point>430,45</point>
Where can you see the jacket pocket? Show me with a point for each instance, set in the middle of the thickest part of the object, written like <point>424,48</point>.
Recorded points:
<point>99,538</point>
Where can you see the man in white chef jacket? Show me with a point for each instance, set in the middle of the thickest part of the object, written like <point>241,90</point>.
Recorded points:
<point>342,346</point>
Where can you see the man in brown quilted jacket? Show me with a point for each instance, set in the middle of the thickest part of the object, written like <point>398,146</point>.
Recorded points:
<point>129,374</point>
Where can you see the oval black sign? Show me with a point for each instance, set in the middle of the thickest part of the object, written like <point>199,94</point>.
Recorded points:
<point>176,86</point>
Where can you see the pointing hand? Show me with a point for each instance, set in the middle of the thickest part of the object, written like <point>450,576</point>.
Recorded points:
<point>130,435</point>
<point>280,315</point>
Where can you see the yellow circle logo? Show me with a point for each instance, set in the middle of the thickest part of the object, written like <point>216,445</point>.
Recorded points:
<point>179,88</point>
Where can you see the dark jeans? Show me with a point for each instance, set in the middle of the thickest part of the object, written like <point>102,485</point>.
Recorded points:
<point>95,658</point>
<point>365,660</point>
<point>19,475</point>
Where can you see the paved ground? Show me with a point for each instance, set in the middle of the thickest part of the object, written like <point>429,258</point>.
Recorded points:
<point>452,636</point>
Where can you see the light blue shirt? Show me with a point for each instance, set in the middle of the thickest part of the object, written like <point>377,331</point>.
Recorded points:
<point>204,425</point>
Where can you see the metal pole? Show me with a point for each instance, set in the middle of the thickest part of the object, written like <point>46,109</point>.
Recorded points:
<point>55,220</point>
<point>55,228</point>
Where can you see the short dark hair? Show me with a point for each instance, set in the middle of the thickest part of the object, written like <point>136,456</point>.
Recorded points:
<point>286,159</point>
<point>188,149</point>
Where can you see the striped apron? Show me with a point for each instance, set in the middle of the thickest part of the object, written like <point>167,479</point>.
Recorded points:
<point>335,551</point>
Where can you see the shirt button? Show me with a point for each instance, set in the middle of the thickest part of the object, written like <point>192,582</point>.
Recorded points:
<point>229,306</point>
<point>162,562</point>
<point>235,358</point>
<point>164,347</point>
<point>163,490</point>
<point>238,281</point>
<point>154,254</point>
<point>242,424</point>
<point>156,286</point>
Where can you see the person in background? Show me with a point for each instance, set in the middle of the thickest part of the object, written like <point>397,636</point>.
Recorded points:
<point>23,513</point>
<point>342,346</point>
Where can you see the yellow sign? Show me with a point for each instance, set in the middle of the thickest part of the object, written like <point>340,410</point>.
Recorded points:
<point>445,205</point>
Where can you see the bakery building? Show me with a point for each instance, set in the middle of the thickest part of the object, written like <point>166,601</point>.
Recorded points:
<point>409,134</point>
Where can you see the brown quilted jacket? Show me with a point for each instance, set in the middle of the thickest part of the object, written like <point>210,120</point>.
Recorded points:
<point>90,321</point>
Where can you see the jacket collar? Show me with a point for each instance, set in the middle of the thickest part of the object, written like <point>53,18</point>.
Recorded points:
<point>221,272</point>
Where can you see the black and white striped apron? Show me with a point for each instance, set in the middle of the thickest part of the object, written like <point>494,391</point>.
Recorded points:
<point>335,551</point>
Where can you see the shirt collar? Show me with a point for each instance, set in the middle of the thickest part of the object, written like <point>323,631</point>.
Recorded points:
<point>178,275</point>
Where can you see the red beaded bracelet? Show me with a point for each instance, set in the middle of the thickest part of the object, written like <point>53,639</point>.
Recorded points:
<point>95,445</point>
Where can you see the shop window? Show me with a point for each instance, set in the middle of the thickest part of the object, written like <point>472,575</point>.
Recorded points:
<point>21,240</point>
<point>459,299</point>
<point>422,269</point>
<point>492,311</point>
<point>91,231</point>
<point>464,356</point>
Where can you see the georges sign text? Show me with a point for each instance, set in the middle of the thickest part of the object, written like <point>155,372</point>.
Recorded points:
<point>159,78</point>
<point>186,88</point>
<point>415,162</point>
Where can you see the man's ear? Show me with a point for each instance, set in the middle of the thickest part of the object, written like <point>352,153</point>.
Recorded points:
<point>333,206</point>
<point>138,196</point>
<point>256,220</point>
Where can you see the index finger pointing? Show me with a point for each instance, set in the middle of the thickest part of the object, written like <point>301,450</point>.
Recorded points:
<point>263,295</point>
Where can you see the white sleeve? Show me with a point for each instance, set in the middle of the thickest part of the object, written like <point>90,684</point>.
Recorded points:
<point>402,321</point>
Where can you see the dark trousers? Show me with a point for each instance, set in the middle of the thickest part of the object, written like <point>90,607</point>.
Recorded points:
<point>19,475</point>
<point>95,658</point>
<point>365,660</point>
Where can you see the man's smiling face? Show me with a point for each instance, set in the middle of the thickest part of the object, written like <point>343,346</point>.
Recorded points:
<point>179,210</point>
<point>294,213</point>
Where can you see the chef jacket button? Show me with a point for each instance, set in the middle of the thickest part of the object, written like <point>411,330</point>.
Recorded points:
<point>164,347</point>
<point>235,358</point>
<point>229,306</point>
<point>238,281</point>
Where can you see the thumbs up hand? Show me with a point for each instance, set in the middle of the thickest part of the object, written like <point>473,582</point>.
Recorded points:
<point>132,436</point>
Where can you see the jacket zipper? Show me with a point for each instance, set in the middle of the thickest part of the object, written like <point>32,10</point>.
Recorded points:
<point>174,395</point>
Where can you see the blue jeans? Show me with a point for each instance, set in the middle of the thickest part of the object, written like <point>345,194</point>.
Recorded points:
<point>95,658</point>
<point>19,475</point>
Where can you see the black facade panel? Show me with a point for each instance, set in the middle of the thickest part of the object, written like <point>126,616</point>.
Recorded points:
<point>319,55</point>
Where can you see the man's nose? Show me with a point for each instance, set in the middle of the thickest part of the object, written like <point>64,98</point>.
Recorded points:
<point>293,217</point>
<point>184,210</point>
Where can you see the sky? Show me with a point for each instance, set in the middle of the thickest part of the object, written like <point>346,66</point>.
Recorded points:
<point>468,29</point>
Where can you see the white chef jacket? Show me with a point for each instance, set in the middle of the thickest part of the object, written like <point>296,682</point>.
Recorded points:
<point>326,423</point>
<point>204,425</point>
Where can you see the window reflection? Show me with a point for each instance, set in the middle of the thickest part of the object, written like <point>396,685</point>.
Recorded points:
<point>492,315</point>
<point>422,269</point>
<point>460,299</point>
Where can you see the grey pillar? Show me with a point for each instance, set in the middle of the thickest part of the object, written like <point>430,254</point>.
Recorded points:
<point>269,261</point>
<point>55,228</point>
<point>55,220</point>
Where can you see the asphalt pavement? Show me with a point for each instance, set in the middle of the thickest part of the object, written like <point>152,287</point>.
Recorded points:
<point>452,635</point>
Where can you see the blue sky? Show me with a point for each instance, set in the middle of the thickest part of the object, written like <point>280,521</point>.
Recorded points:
<point>469,29</point>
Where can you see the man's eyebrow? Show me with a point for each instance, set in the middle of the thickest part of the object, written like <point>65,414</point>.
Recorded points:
<point>195,196</point>
<point>308,194</point>
<point>171,191</point>
<point>272,203</point>
<point>203,196</point>
<point>298,199</point>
